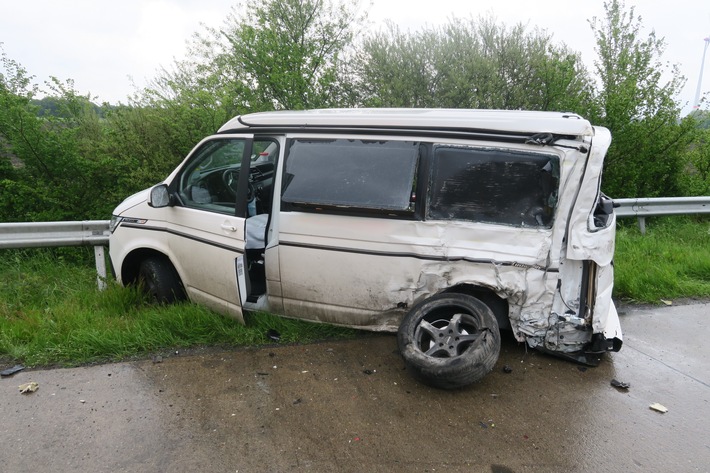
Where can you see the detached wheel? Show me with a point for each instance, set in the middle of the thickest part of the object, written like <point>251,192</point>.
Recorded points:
<point>160,281</point>
<point>449,340</point>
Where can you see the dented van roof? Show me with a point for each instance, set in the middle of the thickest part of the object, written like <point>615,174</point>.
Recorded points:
<point>445,120</point>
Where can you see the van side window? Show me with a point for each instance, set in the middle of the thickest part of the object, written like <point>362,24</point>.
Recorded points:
<point>355,174</point>
<point>210,179</point>
<point>492,185</point>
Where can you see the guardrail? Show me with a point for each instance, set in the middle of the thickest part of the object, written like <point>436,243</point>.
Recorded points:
<point>652,207</point>
<point>96,232</point>
<point>52,234</point>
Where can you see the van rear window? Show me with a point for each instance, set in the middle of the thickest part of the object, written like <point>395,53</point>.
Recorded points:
<point>357,174</point>
<point>493,185</point>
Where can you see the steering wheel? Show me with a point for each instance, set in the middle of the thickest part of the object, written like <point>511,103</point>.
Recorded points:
<point>230,177</point>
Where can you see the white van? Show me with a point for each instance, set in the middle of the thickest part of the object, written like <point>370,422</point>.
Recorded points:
<point>443,225</point>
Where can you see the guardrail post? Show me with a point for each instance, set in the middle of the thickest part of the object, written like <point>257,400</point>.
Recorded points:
<point>100,267</point>
<point>642,225</point>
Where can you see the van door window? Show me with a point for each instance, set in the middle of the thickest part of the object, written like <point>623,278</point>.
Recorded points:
<point>210,179</point>
<point>352,174</point>
<point>492,185</point>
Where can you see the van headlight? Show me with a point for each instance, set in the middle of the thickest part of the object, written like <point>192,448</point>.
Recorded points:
<point>115,222</point>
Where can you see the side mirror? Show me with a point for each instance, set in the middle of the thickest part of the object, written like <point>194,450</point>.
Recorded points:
<point>159,196</point>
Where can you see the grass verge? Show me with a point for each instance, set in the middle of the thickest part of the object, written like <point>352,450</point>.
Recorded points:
<point>672,260</point>
<point>52,314</point>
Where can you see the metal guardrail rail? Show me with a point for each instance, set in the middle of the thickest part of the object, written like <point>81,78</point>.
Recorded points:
<point>52,234</point>
<point>96,232</point>
<point>658,206</point>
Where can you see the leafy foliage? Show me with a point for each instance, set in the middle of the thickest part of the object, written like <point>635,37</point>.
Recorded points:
<point>638,107</point>
<point>52,174</point>
<point>470,64</point>
<point>694,178</point>
<point>288,51</point>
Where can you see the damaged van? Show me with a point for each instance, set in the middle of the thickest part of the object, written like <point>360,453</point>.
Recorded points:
<point>444,226</point>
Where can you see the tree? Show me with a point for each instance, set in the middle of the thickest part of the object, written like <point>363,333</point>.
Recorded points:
<point>289,50</point>
<point>49,170</point>
<point>638,106</point>
<point>474,63</point>
<point>277,54</point>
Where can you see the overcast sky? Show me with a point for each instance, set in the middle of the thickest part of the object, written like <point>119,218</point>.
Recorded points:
<point>105,47</point>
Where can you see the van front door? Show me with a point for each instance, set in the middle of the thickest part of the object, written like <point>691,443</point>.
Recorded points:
<point>206,227</point>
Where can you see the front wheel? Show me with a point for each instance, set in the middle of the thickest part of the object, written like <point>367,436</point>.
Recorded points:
<point>160,281</point>
<point>449,340</point>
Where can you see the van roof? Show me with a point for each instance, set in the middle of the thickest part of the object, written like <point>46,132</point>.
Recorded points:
<point>416,119</point>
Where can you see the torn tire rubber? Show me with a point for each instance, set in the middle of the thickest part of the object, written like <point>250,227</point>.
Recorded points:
<point>160,281</point>
<point>449,340</point>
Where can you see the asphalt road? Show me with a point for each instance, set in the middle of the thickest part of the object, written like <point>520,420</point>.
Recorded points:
<point>351,406</point>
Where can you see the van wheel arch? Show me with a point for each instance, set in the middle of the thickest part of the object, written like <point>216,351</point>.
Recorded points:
<point>146,261</point>
<point>497,304</point>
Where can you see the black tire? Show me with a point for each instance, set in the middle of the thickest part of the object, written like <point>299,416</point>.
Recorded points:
<point>160,281</point>
<point>449,340</point>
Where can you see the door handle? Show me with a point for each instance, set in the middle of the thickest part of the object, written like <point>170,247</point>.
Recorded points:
<point>228,227</point>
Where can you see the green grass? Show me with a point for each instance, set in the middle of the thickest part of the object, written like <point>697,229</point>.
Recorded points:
<point>52,314</point>
<point>671,261</point>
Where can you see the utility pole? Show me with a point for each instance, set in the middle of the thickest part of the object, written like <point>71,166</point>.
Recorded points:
<point>696,102</point>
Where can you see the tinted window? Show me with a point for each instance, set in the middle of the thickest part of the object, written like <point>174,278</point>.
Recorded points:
<point>494,186</point>
<point>356,174</point>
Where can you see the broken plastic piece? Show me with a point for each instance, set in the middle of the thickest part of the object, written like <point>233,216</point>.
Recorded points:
<point>659,407</point>
<point>507,369</point>
<point>620,384</point>
<point>28,387</point>
<point>273,335</point>
<point>11,371</point>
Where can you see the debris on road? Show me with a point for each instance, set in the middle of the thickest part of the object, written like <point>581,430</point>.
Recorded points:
<point>620,384</point>
<point>11,371</point>
<point>659,407</point>
<point>507,369</point>
<point>28,387</point>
